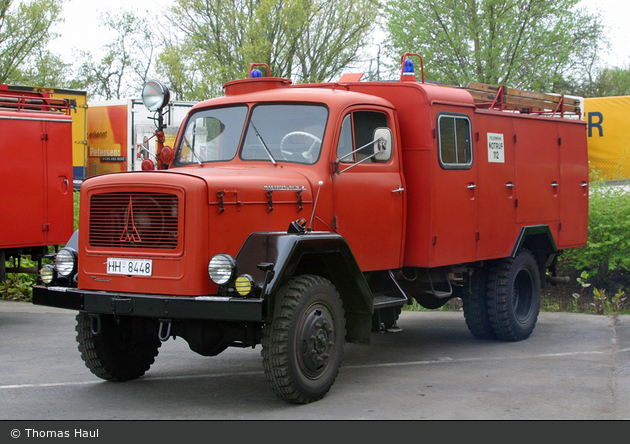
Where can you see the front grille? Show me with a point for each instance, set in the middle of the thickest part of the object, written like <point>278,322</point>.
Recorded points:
<point>134,220</point>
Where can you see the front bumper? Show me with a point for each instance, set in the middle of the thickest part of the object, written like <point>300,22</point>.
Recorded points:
<point>218,308</point>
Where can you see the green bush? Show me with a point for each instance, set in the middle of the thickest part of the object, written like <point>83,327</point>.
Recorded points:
<point>18,286</point>
<point>605,256</point>
<point>76,196</point>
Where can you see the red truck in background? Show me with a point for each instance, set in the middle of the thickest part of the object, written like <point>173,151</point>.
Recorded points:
<point>36,170</point>
<point>301,217</point>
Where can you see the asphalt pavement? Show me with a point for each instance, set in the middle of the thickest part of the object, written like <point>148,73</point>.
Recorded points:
<point>573,367</point>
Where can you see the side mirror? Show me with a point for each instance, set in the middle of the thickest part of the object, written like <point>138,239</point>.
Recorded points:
<point>382,144</point>
<point>214,127</point>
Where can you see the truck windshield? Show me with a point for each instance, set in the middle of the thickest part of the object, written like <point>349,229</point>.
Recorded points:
<point>290,132</point>
<point>279,132</point>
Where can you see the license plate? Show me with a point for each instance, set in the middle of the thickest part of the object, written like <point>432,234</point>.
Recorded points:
<point>130,267</point>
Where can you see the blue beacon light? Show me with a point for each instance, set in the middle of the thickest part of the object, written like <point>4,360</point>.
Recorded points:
<point>408,69</point>
<point>255,74</point>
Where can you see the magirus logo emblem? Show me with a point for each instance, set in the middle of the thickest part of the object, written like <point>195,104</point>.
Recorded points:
<point>130,233</point>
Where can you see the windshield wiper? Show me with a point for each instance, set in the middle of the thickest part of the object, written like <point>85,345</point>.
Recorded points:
<point>263,143</point>
<point>192,150</point>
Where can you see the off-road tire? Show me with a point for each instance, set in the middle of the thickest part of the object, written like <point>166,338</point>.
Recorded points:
<point>302,345</point>
<point>120,351</point>
<point>513,297</point>
<point>476,308</point>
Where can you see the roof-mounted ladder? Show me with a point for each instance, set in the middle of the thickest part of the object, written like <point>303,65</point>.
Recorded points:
<point>503,98</point>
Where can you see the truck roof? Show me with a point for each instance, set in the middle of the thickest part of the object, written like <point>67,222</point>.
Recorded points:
<point>271,89</point>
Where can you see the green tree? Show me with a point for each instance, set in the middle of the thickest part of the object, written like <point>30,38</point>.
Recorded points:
<point>306,40</point>
<point>606,82</point>
<point>531,44</point>
<point>25,31</point>
<point>127,61</point>
<point>333,34</point>
<point>45,69</point>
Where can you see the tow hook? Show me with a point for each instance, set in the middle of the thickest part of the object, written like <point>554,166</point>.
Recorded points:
<point>95,324</point>
<point>164,325</point>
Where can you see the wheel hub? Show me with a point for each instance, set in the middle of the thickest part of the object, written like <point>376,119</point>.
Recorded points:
<point>316,341</point>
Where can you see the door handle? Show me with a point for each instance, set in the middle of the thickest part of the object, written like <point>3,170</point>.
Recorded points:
<point>471,186</point>
<point>399,190</point>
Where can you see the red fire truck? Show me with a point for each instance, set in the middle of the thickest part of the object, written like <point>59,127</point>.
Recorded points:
<point>301,217</point>
<point>36,151</point>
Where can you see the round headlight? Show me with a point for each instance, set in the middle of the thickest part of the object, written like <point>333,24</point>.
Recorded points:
<point>222,269</point>
<point>65,262</point>
<point>155,95</point>
<point>47,274</point>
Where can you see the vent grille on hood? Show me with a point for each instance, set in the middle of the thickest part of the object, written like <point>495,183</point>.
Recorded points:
<point>134,220</point>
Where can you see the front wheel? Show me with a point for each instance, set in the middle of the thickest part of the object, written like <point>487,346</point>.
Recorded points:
<point>117,348</point>
<point>302,345</point>
<point>513,297</point>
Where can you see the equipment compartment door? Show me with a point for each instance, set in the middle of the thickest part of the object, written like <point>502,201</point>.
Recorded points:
<point>22,214</point>
<point>537,172</point>
<point>369,193</point>
<point>59,189</point>
<point>498,194</point>
<point>574,185</point>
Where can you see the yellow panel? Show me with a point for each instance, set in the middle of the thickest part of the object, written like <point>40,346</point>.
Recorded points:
<point>609,135</point>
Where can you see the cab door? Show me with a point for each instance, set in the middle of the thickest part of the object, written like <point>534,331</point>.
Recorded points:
<point>369,194</point>
<point>455,188</point>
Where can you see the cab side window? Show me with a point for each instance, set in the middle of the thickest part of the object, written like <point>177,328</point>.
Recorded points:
<point>345,145</point>
<point>357,133</point>
<point>454,141</point>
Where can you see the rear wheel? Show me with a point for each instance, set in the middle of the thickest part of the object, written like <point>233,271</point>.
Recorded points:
<point>476,308</point>
<point>303,343</point>
<point>117,349</point>
<point>514,289</point>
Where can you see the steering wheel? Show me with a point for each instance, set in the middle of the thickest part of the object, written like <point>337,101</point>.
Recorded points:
<point>308,154</point>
